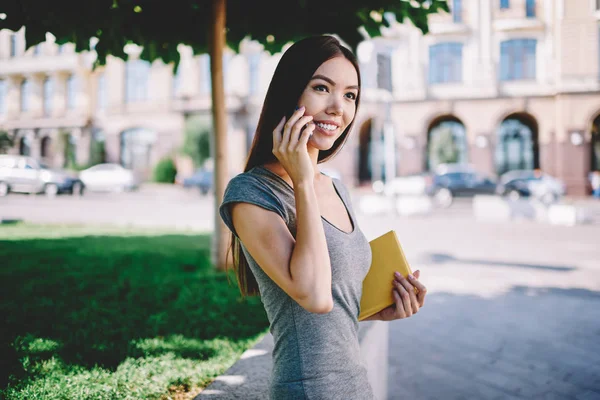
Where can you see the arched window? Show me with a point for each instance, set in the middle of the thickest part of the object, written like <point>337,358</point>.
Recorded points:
<point>516,145</point>
<point>595,145</point>
<point>45,147</point>
<point>447,143</point>
<point>136,149</point>
<point>25,146</point>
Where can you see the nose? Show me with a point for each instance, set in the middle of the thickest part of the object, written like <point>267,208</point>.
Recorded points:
<point>335,106</point>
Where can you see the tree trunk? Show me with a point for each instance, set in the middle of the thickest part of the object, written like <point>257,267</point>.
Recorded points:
<point>221,171</point>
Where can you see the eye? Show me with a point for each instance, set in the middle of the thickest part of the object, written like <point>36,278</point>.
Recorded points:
<point>351,96</point>
<point>320,88</point>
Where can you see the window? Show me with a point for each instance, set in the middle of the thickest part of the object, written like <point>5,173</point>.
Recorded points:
<point>205,78</point>
<point>530,8</point>
<point>2,96</point>
<point>48,94</point>
<point>517,59</point>
<point>13,45</point>
<point>72,84</point>
<point>205,86</point>
<point>504,4</point>
<point>253,62</point>
<point>177,81</point>
<point>445,63</point>
<point>457,11</point>
<point>136,81</point>
<point>25,92</point>
<point>101,99</point>
<point>384,71</point>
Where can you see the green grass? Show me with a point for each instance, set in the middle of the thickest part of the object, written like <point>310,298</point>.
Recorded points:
<point>112,313</point>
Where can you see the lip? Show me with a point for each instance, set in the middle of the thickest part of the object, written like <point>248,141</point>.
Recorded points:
<point>324,131</point>
<point>328,123</point>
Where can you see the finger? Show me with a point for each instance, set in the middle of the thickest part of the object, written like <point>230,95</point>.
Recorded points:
<point>417,274</point>
<point>405,298</point>
<point>306,134</point>
<point>277,133</point>
<point>287,128</point>
<point>422,290</point>
<point>399,313</point>
<point>296,130</point>
<point>410,289</point>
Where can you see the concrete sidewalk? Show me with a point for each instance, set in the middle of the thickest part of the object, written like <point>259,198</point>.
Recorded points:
<point>512,311</point>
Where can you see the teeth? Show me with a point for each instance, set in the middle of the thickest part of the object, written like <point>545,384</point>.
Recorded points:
<point>327,126</point>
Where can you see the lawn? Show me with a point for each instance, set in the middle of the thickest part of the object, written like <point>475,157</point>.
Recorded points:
<point>111,313</point>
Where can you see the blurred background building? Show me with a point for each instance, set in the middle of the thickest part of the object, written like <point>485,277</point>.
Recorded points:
<point>499,84</point>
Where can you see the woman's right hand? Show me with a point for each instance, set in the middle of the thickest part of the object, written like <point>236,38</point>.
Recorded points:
<point>290,146</point>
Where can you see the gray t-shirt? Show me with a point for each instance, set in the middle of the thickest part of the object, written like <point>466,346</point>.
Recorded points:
<point>316,356</point>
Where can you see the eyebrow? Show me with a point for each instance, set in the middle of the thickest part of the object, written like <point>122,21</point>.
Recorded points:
<point>331,82</point>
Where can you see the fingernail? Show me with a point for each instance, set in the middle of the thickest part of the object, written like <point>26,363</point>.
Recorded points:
<point>410,276</point>
<point>398,275</point>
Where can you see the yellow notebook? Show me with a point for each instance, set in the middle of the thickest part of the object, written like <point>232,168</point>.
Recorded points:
<point>388,258</point>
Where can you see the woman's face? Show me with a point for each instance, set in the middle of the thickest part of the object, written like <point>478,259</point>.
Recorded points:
<point>330,98</point>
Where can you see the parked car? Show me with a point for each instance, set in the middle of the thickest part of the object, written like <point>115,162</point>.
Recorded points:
<point>109,177</point>
<point>443,184</point>
<point>452,181</point>
<point>25,174</point>
<point>202,179</point>
<point>526,183</point>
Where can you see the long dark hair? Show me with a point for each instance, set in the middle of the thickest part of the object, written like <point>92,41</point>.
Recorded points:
<point>294,71</point>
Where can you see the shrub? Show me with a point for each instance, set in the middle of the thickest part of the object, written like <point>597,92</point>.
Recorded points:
<point>165,171</point>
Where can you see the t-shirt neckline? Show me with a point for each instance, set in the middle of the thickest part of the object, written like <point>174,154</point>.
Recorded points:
<point>352,221</point>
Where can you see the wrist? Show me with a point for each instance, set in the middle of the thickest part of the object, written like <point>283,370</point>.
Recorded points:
<point>306,183</point>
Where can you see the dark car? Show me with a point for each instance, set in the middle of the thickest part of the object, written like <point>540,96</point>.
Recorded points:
<point>447,183</point>
<point>202,179</point>
<point>526,183</point>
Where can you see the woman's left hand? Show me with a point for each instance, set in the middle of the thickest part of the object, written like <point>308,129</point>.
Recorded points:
<point>407,301</point>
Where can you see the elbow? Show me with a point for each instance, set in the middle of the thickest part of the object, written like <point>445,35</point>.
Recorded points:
<point>324,308</point>
<point>317,306</point>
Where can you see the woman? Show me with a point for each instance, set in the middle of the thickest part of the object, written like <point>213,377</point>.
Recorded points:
<point>294,234</point>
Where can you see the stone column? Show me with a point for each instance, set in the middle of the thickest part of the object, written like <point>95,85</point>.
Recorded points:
<point>36,144</point>
<point>83,146</point>
<point>482,153</point>
<point>112,147</point>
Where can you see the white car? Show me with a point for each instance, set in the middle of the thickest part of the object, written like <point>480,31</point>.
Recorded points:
<point>111,177</point>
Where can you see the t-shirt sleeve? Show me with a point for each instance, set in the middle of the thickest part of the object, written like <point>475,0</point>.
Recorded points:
<point>249,189</point>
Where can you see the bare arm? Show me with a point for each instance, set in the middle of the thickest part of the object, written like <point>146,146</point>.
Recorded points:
<point>300,267</point>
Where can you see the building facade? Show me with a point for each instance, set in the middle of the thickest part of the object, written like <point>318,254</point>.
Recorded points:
<point>500,84</point>
<point>51,100</point>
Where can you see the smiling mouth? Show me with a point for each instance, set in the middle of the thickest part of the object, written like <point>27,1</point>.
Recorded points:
<point>328,129</point>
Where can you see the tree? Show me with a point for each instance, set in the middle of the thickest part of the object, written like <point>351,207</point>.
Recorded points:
<point>159,27</point>
<point>196,143</point>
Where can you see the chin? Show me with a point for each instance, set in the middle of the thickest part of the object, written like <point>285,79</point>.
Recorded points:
<point>322,145</point>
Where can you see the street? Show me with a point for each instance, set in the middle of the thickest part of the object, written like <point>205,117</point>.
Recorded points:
<point>511,311</point>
